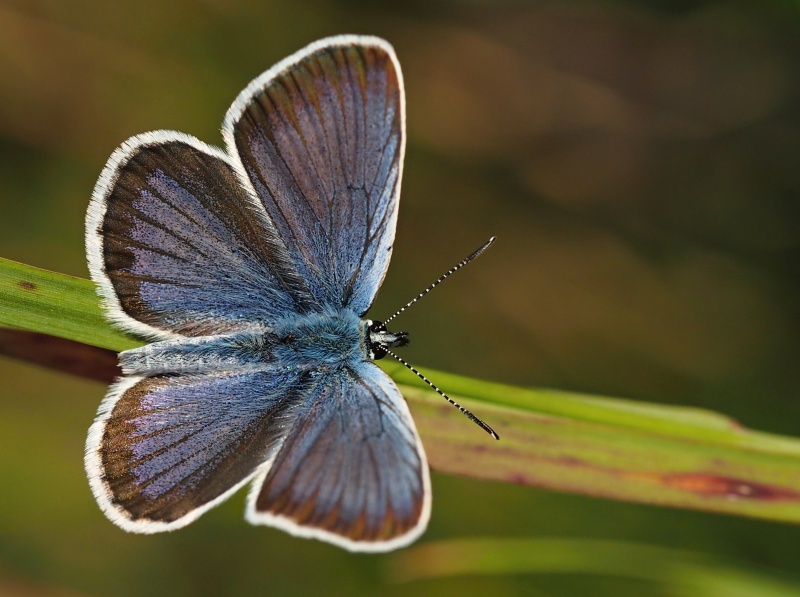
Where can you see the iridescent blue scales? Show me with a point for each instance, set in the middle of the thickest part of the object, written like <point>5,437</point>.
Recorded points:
<point>249,269</point>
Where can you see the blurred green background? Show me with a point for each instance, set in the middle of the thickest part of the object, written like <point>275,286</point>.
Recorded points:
<point>637,160</point>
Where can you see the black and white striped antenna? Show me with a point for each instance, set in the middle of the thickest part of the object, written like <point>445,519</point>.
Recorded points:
<point>479,422</point>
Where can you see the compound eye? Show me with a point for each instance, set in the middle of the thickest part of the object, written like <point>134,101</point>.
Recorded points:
<point>377,326</point>
<point>377,351</point>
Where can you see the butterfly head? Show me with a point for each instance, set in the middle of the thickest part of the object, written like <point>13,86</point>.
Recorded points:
<point>379,339</point>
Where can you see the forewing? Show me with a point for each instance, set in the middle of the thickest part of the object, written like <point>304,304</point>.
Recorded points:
<point>321,138</point>
<point>177,248</point>
<point>165,449</point>
<point>352,471</point>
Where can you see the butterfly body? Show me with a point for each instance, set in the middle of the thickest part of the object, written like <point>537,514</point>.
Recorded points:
<point>314,341</point>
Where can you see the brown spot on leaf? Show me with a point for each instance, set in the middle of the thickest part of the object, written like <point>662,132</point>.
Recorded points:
<point>718,485</point>
<point>26,285</point>
<point>519,479</point>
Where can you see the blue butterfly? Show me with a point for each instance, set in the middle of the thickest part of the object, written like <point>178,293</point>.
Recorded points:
<point>249,269</point>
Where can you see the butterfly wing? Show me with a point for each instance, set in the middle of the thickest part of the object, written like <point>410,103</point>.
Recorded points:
<point>165,449</point>
<point>175,245</point>
<point>321,138</point>
<point>352,471</point>
<point>185,239</point>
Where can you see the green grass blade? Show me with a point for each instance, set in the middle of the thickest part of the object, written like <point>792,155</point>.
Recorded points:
<point>682,572</point>
<point>620,449</point>
<point>611,448</point>
<point>38,300</point>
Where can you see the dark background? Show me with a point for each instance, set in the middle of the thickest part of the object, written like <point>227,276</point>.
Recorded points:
<point>638,161</point>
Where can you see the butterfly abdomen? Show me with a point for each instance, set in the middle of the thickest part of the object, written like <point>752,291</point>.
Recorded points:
<point>245,350</point>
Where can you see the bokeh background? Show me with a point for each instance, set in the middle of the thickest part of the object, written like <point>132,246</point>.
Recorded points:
<point>639,162</point>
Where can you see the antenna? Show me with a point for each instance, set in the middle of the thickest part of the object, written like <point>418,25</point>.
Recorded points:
<point>441,279</point>
<point>384,347</point>
<point>463,410</point>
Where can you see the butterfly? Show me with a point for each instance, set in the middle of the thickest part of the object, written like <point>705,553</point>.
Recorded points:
<point>249,270</point>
